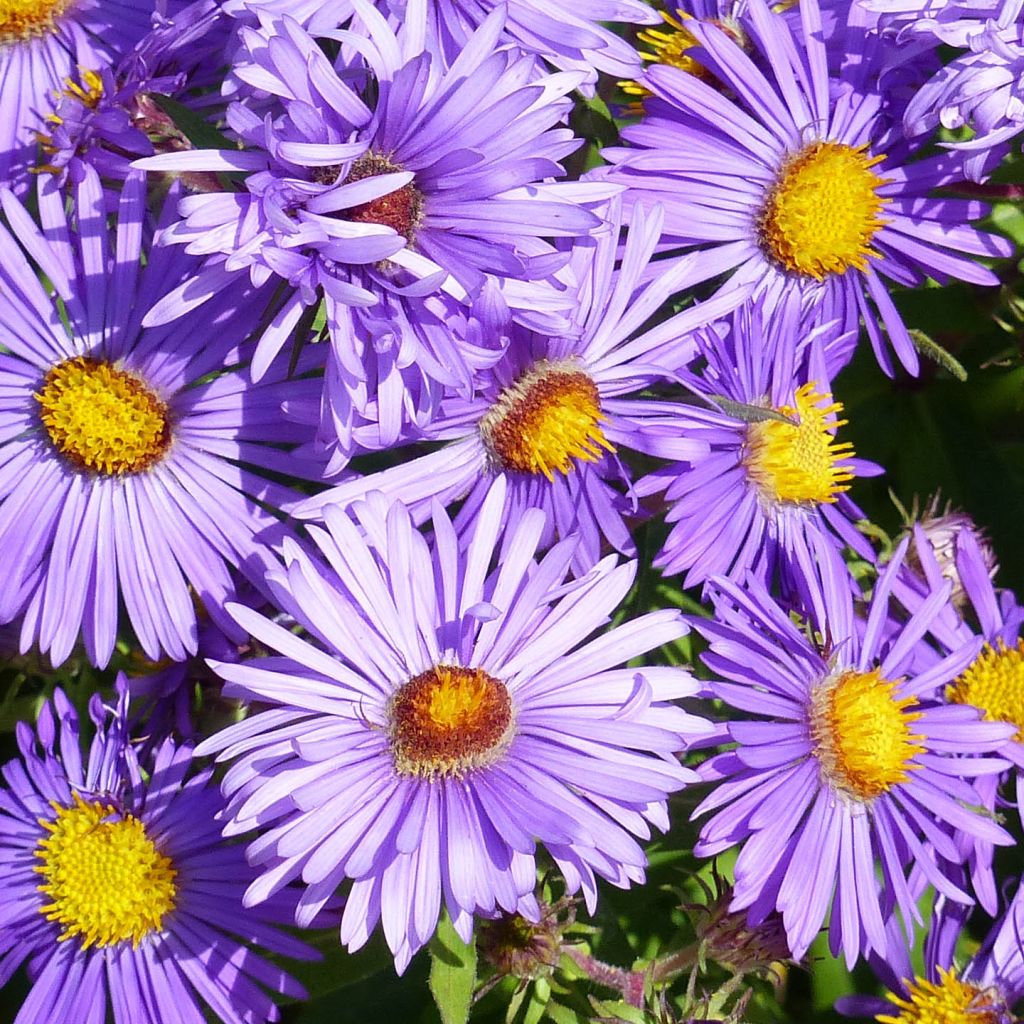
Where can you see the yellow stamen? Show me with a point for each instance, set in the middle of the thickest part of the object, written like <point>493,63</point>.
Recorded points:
<point>946,1001</point>
<point>102,418</point>
<point>546,420</point>
<point>107,881</point>
<point>672,47</point>
<point>822,212</point>
<point>24,19</point>
<point>862,736</point>
<point>994,682</point>
<point>90,91</point>
<point>800,462</point>
<point>90,96</point>
<point>449,720</point>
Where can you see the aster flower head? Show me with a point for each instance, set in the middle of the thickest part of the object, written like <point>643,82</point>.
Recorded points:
<point>983,88</point>
<point>782,186</point>
<point>119,892</point>
<point>852,770</point>
<point>121,464</point>
<point>672,42</point>
<point>749,501</point>
<point>987,615</point>
<point>569,39</point>
<point>992,620</point>
<point>442,719</point>
<point>983,990</point>
<point>994,682</point>
<point>42,44</point>
<point>380,182</point>
<point>551,415</point>
<point>107,117</point>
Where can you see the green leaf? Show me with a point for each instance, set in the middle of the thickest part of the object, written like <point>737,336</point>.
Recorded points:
<point>199,132</point>
<point>540,1000</point>
<point>593,120</point>
<point>452,973</point>
<point>619,1011</point>
<point>565,1015</point>
<point>514,1003</point>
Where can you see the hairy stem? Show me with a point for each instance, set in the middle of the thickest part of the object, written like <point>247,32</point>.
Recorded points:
<point>629,983</point>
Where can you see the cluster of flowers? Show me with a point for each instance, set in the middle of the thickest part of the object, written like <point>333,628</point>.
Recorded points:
<point>312,347</point>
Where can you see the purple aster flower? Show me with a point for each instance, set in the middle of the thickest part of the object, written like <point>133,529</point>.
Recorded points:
<point>984,990</point>
<point>41,45</point>
<point>108,117</point>
<point>749,500</point>
<point>378,182</point>
<point>978,610</point>
<point>125,474</point>
<point>993,682</point>
<point>983,88</point>
<point>313,15</point>
<point>570,39</point>
<point>671,42</point>
<point>119,892</point>
<point>442,719</point>
<point>783,185</point>
<point>849,773</point>
<point>552,414</point>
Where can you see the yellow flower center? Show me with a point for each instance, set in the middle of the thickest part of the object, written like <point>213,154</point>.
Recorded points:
<point>862,735</point>
<point>994,682</point>
<point>672,47</point>
<point>545,420</point>
<point>947,1001</point>
<point>106,879</point>
<point>23,19</point>
<point>449,720</point>
<point>822,212</point>
<point>103,419</point>
<point>800,462</point>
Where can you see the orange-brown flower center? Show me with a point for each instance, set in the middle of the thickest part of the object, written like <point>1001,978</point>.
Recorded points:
<point>400,210</point>
<point>448,721</point>
<point>546,421</point>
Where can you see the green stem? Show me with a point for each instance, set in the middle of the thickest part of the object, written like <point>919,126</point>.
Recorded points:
<point>629,983</point>
<point>675,963</point>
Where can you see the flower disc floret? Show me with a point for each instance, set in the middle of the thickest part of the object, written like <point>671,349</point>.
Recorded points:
<point>672,44</point>
<point>23,19</point>
<point>550,416</point>
<point>103,419</point>
<point>822,212</point>
<point>946,1001</point>
<point>862,733</point>
<point>400,210</point>
<point>449,720</point>
<point>994,682</point>
<point>106,880</point>
<point>800,462</point>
